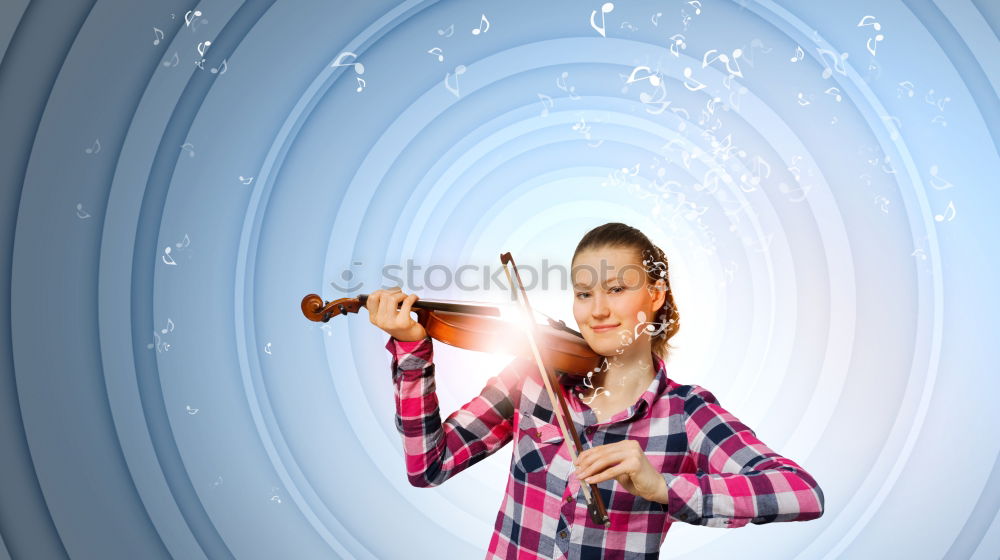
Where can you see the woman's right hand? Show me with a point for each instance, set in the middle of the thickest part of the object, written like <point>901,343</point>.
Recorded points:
<point>382,312</point>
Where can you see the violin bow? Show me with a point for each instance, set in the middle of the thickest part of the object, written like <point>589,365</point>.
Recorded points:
<point>595,505</point>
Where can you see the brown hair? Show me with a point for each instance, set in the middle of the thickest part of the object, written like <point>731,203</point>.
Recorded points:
<point>615,234</point>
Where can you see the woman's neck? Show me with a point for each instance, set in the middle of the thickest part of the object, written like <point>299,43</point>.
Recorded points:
<point>628,375</point>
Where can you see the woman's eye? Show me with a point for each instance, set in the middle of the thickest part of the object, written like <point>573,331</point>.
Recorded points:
<point>616,289</point>
<point>581,295</point>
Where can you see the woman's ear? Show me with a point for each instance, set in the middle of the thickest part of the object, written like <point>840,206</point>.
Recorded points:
<point>658,291</point>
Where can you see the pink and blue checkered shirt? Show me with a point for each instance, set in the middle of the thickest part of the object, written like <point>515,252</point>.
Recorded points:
<point>718,473</point>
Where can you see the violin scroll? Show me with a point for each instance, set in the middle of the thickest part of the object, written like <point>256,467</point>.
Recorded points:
<point>315,309</point>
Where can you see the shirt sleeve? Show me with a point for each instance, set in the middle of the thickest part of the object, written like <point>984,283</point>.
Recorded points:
<point>436,451</point>
<point>740,480</point>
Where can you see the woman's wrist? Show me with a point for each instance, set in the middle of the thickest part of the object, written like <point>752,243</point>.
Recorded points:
<point>662,493</point>
<point>414,334</point>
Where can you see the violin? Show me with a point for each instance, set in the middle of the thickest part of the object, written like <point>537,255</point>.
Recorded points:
<point>553,347</point>
<point>480,328</point>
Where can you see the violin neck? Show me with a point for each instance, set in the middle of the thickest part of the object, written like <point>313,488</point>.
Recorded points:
<point>447,307</point>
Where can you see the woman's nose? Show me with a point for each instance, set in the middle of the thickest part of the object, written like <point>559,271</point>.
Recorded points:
<point>599,306</point>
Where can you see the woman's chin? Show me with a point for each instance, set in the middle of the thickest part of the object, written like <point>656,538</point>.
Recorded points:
<point>603,347</point>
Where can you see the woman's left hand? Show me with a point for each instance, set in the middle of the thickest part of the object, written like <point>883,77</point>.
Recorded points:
<point>626,462</point>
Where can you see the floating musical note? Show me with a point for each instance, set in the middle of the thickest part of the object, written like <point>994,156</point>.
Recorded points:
<point>799,55</point>
<point>802,100</point>
<point>190,17</point>
<point>203,47</point>
<point>162,345</point>
<point>735,97</point>
<point>274,496</point>
<point>749,55</point>
<point>706,114</point>
<point>183,242</point>
<point>939,119</point>
<point>904,87</point>
<point>448,31</point>
<point>697,7</point>
<point>656,19</point>
<point>547,103</point>
<point>80,212</point>
<point>217,483</point>
<point>174,61</point>
<point>946,217</point>
<point>561,83</point>
<point>361,84</point>
<point>690,83</point>
<point>677,44</point>
<point>221,69</point>
<point>629,26</point>
<point>937,181</point>
<point>191,411</point>
<point>754,177</point>
<point>653,78</point>
<point>649,328</point>
<point>438,52</point>
<point>189,148</point>
<point>874,71</point>
<point>95,148</point>
<point>339,61</point>
<point>786,189</point>
<point>883,203</point>
<point>166,256</point>
<point>606,8</point>
<point>723,58</point>
<point>929,99</point>
<point>157,34</point>
<point>834,92</point>
<point>838,62</point>
<point>876,26</point>
<point>459,70</point>
<point>482,21</point>
<point>267,348</point>
<point>658,103</point>
<point>246,180</point>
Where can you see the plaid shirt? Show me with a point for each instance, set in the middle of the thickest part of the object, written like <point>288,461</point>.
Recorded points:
<point>717,472</point>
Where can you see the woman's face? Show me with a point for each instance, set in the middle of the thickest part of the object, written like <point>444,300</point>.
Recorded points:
<point>613,301</point>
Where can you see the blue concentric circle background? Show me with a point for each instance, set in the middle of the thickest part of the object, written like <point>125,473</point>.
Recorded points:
<point>178,176</point>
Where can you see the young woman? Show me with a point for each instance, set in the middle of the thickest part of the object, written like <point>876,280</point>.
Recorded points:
<point>659,451</point>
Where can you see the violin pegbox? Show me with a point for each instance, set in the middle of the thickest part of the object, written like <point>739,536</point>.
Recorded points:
<point>315,309</point>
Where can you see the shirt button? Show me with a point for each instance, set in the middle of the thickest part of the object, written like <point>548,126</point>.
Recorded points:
<point>539,432</point>
<point>591,430</point>
<point>569,498</point>
<point>563,534</point>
